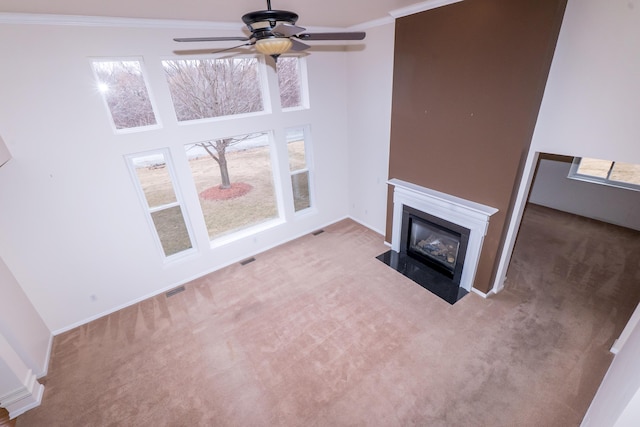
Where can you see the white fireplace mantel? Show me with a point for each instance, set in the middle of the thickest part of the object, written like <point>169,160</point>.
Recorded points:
<point>471,215</point>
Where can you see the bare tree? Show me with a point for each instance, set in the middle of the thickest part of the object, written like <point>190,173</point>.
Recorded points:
<point>222,87</point>
<point>124,90</point>
<point>213,88</point>
<point>217,150</point>
<point>289,82</point>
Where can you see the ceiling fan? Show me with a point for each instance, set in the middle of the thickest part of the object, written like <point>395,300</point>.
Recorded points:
<point>274,32</point>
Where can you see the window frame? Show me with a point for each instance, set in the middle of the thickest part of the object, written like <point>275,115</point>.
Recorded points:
<point>251,230</point>
<point>304,85</point>
<point>308,169</point>
<point>180,202</point>
<point>262,77</point>
<point>574,174</point>
<point>145,78</point>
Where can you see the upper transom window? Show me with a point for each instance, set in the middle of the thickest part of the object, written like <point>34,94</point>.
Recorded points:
<point>207,88</point>
<point>122,85</point>
<point>290,80</point>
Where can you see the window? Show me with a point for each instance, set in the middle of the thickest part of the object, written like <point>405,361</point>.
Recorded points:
<point>290,82</point>
<point>234,180</point>
<point>155,178</point>
<point>617,174</point>
<point>207,88</point>
<point>123,88</point>
<point>298,167</point>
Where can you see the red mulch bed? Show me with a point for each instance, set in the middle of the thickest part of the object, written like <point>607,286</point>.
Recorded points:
<point>216,193</point>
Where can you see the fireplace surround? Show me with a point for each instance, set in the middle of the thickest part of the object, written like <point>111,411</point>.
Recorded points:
<point>456,219</point>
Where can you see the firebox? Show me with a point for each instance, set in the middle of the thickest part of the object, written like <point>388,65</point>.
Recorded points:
<point>437,243</point>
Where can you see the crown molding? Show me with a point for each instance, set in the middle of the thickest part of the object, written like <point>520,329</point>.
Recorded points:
<point>105,21</point>
<point>372,24</point>
<point>399,13</point>
<point>420,7</point>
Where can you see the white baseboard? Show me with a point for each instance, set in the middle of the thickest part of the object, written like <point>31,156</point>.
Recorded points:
<point>482,294</point>
<point>194,277</point>
<point>614,348</point>
<point>47,358</point>
<point>28,397</point>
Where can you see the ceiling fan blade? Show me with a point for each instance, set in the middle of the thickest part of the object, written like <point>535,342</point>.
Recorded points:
<point>211,39</point>
<point>297,45</point>
<point>287,30</point>
<point>356,35</point>
<point>234,47</point>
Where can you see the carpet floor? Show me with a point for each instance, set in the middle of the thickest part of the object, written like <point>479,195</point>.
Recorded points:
<point>318,332</point>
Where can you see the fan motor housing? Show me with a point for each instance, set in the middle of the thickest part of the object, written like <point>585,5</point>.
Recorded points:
<point>265,20</point>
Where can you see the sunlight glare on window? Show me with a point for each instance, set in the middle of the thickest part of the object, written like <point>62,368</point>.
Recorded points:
<point>124,90</point>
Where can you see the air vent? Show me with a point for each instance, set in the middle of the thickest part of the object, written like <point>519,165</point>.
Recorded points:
<point>174,291</point>
<point>315,233</point>
<point>247,261</point>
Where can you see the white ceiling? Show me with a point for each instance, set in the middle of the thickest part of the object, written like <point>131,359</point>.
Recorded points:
<point>325,13</point>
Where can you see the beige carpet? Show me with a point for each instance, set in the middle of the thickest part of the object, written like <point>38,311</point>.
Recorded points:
<point>318,332</point>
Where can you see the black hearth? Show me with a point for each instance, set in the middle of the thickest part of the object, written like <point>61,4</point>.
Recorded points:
<point>432,253</point>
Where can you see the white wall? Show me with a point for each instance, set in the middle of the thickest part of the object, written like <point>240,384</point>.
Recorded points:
<point>553,189</point>
<point>615,403</point>
<point>19,390</point>
<point>590,109</point>
<point>591,103</point>
<point>21,324</point>
<point>370,88</point>
<point>74,233</point>
<point>5,155</point>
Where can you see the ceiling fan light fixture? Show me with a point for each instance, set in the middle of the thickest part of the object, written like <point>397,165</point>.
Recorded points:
<point>274,32</point>
<point>274,46</point>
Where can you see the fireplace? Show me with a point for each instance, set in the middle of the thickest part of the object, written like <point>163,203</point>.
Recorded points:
<point>437,239</point>
<point>434,241</point>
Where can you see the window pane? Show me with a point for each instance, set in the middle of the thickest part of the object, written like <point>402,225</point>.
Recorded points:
<point>298,168</point>
<point>300,185</point>
<point>594,167</point>
<point>626,172</point>
<point>289,81</point>
<point>123,88</point>
<point>155,180</point>
<point>208,88</point>
<point>295,145</point>
<point>236,191</point>
<point>172,230</point>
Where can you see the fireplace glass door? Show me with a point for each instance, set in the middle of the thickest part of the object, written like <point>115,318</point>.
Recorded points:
<point>433,244</point>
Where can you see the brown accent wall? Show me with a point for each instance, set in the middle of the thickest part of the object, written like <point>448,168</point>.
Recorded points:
<point>467,86</point>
